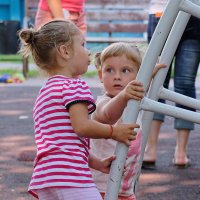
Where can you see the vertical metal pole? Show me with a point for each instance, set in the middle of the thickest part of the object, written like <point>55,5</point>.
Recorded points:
<point>144,75</point>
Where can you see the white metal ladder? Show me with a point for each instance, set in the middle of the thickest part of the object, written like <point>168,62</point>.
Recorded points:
<point>165,39</point>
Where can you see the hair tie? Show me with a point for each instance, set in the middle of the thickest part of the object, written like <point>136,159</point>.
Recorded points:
<point>31,38</point>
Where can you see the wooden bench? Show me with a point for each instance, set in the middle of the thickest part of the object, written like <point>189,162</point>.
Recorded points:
<point>116,20</point>
<point>107,20</point>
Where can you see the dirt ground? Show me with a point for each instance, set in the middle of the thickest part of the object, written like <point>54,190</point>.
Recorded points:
<point>17,136</point>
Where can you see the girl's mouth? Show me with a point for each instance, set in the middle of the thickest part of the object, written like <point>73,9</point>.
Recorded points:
<point>118,86</point>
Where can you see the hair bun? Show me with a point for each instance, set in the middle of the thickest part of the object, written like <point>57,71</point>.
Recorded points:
<point>27,35</point>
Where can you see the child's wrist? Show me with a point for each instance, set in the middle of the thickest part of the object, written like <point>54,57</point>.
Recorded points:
<point>110,135</point>
<point>123,95</point>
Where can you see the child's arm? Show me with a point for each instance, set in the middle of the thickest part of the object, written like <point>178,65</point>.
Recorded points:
<point>86,127</point>
<point>110,110</point>
<point>102,165</point>
<point>155,71</point>
<point>157,68</point>
<point>56,8</point>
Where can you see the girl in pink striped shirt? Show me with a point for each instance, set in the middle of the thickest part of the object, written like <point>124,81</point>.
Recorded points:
<point>61,116</point>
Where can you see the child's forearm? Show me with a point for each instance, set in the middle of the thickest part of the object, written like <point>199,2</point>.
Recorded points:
<point>86,127</point>
<point>94,162</point>
<point>112,110</point>
<point>93,129</point>
<point>102,165</point>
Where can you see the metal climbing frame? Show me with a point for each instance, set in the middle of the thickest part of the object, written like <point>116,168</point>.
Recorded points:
<point>170,29</point>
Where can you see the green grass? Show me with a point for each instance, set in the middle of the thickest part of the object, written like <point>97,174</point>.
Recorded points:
<point>11,58</point>
<point>12,72</point>
<point>8,71</point>
<point>36,73</point>
<point>15,58</point>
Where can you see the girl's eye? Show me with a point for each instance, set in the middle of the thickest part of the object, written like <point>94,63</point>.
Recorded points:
<point>109,70</point>
<point>83,44</point>
<point>126,70</point>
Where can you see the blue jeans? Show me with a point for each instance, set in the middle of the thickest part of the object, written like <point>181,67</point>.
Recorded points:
<point>187,58</point>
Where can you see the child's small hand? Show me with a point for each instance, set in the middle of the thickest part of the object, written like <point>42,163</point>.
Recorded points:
<point>125,133</point>
<point>134,90</point>
<point>106,163</point>
<point>157,68</point>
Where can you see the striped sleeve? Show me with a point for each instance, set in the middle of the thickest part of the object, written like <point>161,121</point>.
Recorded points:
<point>77,91</point>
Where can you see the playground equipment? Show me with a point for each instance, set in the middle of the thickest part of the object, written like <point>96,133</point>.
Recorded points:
<point>164,43</point>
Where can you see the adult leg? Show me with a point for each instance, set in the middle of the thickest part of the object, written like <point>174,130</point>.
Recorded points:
<point>150,154</point>
<point>186,66</point>
<point>180,155</point>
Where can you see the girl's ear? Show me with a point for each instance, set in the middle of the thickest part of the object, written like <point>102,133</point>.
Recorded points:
<point>100,75</point>
<point>64,51</point>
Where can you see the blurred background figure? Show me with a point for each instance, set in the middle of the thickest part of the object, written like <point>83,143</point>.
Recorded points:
<point>68,9</point>
<point>186,62</point>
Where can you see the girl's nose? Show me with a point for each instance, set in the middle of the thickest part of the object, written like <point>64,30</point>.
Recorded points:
<point>117,76</point>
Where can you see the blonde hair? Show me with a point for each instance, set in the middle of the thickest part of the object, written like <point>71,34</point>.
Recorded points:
<point>118,49</point>
<point>42,43</point>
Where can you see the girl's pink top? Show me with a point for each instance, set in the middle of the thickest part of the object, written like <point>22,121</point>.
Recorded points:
<point>62,155</point>
<point>71,5</point>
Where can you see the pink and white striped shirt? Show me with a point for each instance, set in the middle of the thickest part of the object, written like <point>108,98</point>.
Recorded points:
<point>62,155</point>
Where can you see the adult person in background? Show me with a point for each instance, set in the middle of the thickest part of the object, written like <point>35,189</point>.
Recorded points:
<point>187,58</point>
<point>72,10</point>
